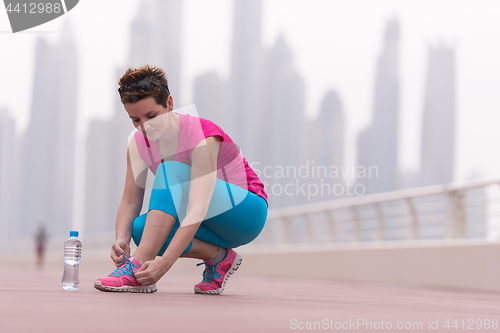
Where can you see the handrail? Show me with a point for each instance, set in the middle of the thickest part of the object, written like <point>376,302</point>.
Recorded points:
<point>378,197</point>
<point>449,213</point>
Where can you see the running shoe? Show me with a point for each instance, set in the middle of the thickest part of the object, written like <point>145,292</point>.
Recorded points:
<point>215,275</point>
<point>123,280</point>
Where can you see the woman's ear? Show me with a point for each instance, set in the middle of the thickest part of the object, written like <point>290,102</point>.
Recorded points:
<point>170,103</point>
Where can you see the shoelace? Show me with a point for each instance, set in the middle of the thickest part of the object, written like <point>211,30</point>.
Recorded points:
<point>125,269</point>
<point>210,273</point>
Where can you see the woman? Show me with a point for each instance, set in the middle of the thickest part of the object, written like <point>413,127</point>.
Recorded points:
<point>205,200</point>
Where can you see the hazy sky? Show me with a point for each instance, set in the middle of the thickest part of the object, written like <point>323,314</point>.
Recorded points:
<point>335,43</point>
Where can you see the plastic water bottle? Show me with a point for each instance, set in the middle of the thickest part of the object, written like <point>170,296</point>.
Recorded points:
<point>72,256</point>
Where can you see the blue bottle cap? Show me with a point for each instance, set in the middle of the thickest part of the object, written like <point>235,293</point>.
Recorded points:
<point>73,234</point>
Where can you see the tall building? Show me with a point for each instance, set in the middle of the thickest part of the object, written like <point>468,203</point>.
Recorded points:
<point>365,156</point>
<point>48,161</point>
<point>246,75</point>
<point>66,104</point>
<point>266,112</point>
<point>378,144</point>
<point>331,129</point>
<point>143,30</point>
<point>282,123</point>
<point>326,146</point>
<point>438,130</point>
<point>37,140</point>
<point>169,22</point>
<point>155,40</point>
<point>106,150</point>
<point>210,96</point>
<point>8,145</point>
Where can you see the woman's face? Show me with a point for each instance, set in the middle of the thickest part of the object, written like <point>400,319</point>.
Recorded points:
<point>148,117</point>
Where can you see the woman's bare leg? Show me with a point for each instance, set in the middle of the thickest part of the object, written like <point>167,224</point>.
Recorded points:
<point>156,230</point>
<point>201,250</point>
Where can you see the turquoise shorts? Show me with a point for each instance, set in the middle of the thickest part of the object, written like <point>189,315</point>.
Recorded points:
<point>235,215</point>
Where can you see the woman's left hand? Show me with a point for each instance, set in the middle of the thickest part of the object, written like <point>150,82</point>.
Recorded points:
<point>152,271</point>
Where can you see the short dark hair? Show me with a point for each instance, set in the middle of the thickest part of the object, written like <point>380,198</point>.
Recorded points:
<point>146,72</point>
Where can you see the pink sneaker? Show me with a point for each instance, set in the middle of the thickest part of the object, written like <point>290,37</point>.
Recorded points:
<point>122,279</point>
<point>215,275</point>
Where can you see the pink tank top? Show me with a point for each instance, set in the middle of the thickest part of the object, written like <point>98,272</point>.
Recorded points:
<point>232,167</point>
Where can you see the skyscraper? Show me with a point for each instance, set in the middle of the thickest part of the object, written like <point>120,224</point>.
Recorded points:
<point>105,167</point>
<point>211,98</point>
<point>66,76</point>
<point>155,40</point>
<point>331,128</point>
<point>37,140</point>
<point>438,130</point>
<point>48,160</point>
<point>326,145</point>
<point>8,145</point>
<point>169,38</point>
<point>246,74</point>
<point>282,123</point>
<point>378,144</point>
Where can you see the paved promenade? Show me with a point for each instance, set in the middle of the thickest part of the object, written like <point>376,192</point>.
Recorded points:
<point>32,300</point>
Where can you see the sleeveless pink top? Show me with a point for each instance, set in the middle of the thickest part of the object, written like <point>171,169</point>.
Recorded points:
<point>232,167</point>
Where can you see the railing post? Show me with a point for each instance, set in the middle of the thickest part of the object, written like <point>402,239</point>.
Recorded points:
<point>454,215</point>
<point>462,214</point>
<point>357,223</point>
<point>309,228</point>
<point>265,236</point>
<point>332,228</point>
<point>286,223</point>
<point>414,218</point>
<point>381,221</point>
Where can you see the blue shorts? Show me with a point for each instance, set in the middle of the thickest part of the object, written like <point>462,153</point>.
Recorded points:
<point>235,215</point>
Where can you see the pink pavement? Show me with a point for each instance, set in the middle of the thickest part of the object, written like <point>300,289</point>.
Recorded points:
<point>33,301</point>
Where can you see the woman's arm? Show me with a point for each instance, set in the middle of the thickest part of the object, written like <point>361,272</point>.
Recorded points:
<point>131,204</point>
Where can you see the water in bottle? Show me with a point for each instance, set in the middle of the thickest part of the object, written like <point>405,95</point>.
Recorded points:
<point>72,256</point>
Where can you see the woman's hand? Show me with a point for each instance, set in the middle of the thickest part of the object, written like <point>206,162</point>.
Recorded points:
<point>117,249</point>
<point>153,270</point>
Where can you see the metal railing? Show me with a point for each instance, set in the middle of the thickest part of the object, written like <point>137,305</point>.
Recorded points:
<point>469,210</point>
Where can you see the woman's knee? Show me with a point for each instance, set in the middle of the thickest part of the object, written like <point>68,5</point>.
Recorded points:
<point>138,228</point>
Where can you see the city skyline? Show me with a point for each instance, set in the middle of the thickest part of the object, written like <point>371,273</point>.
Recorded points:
<point>281,44</point>
<point>349,59</point>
